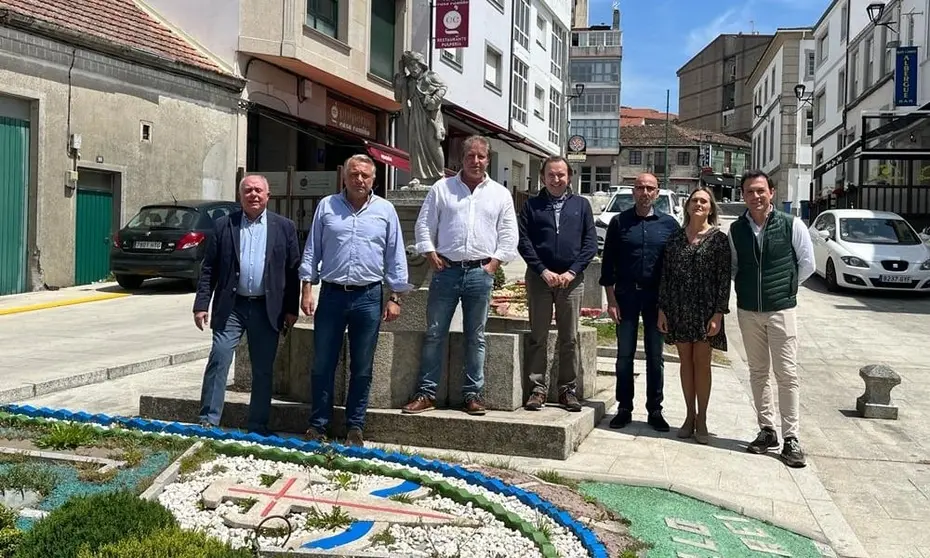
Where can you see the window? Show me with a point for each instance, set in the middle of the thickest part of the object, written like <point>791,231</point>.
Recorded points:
<point>765,88</point>
<point>729,96</point>
<point>888,37</point>
<point>323,15</point>
<point>601,179</point>
<point>820,107</point>
<point>730,65</point>
<point>541,31</point>
<point>145,131</point>
<point>381,52</point>
<point>492,68</point>
<point>600,133</point>
<point>636,158</point>
<point>594,71</point>
<point>521,22</point>
<point>854,75</point>
<point>658,162</point>
<point>809,124</point>
<point>499,4</point>
<point>811,64</point>
<point>823,44</point>
<point>773,80</point>
<point>771,141</point>
<point>585,179</point>
<point>596,101</point>
<point>765,146</point>
<point>684,159</point>
<point>878,230</point>
<point>558,50</point>
<point>726,119</point>
<point>841,89</point>
<point>844,22</point>
<point>453,57</point>
<point>869,64</point>
<point>555,116</point>
<point>520,86</point>
<point>539,103</point>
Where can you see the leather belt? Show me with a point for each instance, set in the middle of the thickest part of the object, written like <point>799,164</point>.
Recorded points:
<point>468,264</point>
<point>349,288</point>
<point>251,298</point>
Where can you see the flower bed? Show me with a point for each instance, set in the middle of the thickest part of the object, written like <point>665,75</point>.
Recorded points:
<point>287,495</point>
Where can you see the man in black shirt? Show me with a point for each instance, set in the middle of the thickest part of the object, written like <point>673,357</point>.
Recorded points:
<point>630,271</point>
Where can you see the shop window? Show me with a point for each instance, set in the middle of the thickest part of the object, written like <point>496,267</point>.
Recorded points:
<point>383,29</point>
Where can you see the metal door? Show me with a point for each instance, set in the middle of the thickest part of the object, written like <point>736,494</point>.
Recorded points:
<point>14,181</point>
<point>92,236</point>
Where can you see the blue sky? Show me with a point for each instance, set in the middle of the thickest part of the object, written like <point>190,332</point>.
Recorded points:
<point>659,36</point>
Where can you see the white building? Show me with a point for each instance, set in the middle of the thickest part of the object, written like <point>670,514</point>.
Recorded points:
<point>782,124</point>
<point>842,20</point>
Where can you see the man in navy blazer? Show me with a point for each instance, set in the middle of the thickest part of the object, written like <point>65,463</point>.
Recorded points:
<point>250,270</point>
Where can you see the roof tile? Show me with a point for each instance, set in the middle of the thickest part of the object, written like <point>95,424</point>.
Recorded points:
<point>652,135</point>
<point>120,22</point>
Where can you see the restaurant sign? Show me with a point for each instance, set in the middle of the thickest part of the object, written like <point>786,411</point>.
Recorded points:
<point>351,119</point>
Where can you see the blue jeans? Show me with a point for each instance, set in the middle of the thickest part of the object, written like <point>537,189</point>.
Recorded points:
<point>473,288</point>
<point>251,317</point>
<point>359,312</point>
<point>633,304</point>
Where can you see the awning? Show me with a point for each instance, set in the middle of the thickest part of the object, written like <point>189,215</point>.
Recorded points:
<point>720,180</point>
<point>392,156</point>
<point>491,129</point>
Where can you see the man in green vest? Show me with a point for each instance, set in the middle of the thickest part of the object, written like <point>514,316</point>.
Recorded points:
<point>772,254</point>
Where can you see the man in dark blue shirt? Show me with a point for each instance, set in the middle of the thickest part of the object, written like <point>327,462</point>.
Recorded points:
<point>633,249</point>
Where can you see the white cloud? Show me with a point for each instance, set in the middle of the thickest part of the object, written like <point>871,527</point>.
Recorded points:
<point>734,20</point>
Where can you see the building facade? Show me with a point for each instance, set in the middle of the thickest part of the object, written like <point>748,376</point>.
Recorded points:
<point>783,124</point>
<point>595,59</point>
<point>96,119</point>
<point>689,150</point>
<point>712,91</point>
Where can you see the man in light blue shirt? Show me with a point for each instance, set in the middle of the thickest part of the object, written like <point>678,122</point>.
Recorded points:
<point>253,237</point>
<point>355,245</point>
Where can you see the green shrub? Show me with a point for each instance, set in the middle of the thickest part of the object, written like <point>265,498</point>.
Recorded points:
<point>91,522</point>
<point>9,541</point>
<point>168,543</point>
<point>8,517</point>
<point>499,278</point>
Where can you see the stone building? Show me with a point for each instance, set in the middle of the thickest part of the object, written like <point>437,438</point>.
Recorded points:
<point>694,157</point>
<point>99,115</point>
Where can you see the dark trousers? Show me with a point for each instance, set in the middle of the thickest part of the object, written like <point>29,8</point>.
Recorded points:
<point>541,298</point>
<point>248,316</point>
<point>632,304</point>
<point>339,310</point>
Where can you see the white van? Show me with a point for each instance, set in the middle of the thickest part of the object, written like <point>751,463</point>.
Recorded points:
<point>668,202</point>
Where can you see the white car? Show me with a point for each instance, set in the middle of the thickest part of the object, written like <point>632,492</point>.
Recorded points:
<point>863,249</point>
<point>925,234</point>
<point>622,199</point>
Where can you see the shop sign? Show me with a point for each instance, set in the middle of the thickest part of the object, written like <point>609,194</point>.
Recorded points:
<point>905,77</point>
<point>451,24</point>
<point>350,118</point>
<point>577,149</point>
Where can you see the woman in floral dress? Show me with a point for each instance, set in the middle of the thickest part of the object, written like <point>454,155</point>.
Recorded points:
<point>694,294</point>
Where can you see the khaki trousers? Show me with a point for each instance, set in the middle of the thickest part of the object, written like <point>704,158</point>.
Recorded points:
<point>772,337</point>
<point>567,301</point>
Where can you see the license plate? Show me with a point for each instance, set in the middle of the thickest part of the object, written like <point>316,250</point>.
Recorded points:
<point>146,245</point>
<point>894,278</point>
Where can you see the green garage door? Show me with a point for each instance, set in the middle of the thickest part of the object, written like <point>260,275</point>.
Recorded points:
<point>14,180</point>
<point>93,236</point>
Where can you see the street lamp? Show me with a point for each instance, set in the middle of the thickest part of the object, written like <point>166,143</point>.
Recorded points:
<point>875,11</point>
<point>579,91</point>
<point>757,110</point>
<point>799,90</point>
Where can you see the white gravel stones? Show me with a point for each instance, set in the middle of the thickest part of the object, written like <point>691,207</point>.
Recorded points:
<point>479,535</point>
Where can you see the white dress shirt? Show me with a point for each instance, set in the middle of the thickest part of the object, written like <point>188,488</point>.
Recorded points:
<point>462,225</point>
<point>800,241</point>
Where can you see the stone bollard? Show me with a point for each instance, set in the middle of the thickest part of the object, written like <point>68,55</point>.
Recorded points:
<point>879,380</point>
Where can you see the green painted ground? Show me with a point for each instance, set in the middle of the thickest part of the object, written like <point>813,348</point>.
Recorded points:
<point>680,527</point>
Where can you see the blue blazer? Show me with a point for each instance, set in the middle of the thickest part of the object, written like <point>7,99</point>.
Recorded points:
<point>219,273</point>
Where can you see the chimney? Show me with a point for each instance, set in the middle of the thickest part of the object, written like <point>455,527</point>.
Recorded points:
<point>616,23</point>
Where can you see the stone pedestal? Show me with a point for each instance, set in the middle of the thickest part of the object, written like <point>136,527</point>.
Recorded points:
<point>592,297</point>
<point>876,401</point>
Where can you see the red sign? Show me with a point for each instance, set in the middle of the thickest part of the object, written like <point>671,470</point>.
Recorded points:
<point>451,24</point>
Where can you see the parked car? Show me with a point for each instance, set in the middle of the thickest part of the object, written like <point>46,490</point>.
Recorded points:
<point>165,240</point>
<point>863,249</point>
<point>622,199</point>
<point>925,234</point>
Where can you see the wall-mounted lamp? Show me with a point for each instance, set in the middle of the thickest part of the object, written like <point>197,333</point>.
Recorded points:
<point>579,91</point>
<point>876,10</point>
<point>799,90</point>
<point>757,110</point>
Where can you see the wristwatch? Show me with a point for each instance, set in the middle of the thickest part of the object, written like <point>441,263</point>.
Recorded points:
<point>395,299</point>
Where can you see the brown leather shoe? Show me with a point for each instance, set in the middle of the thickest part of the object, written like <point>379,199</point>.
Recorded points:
<point>570,402</point>
<point>419,404</point>
<point>536,401</point>
<point>474,407</point>
<point>354,438</point>
<point>313,435</point>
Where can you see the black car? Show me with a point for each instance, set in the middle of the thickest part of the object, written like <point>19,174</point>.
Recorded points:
<point>166,240</point>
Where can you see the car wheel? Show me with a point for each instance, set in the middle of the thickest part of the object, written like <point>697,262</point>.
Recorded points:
<point>830,277</point>
<point>129,282</point>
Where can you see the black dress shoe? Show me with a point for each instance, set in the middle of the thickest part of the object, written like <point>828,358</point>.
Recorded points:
<point>621,419</point>
<point>658,422</point>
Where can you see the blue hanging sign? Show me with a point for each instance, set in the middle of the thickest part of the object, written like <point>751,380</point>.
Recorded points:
<point>905,77</point>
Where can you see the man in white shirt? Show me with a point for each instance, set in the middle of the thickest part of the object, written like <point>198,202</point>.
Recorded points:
<point>771,255</point>
<point>467,228</point>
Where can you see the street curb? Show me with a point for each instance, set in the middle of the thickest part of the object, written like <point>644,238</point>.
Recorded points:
<point>829,518</point>
<point>611,352</point>
<point>100,375</point>
<point>58,303</point>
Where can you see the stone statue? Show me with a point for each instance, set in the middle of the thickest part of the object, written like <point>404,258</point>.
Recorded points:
<point>420,91</point>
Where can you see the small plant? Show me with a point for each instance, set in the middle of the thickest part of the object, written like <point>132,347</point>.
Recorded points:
<point>499,278</point>
<point>192,462</point>
<point>268,480</point>
<point>384,538</point>
<point>33,477</point>
<point>333,520</point>
<point>9,541</point>
<point>93,473</point>
<point>67,435</point>
<point>543,526</point>
<point>18,457</point>
<point>8,517</point>
<point>219,469</point>
<point>401,498</point>
<point>91,522</point>
<point>554,477</point>
<point>344,480</point>
<point>246,505</point>
<point>167,543</point>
